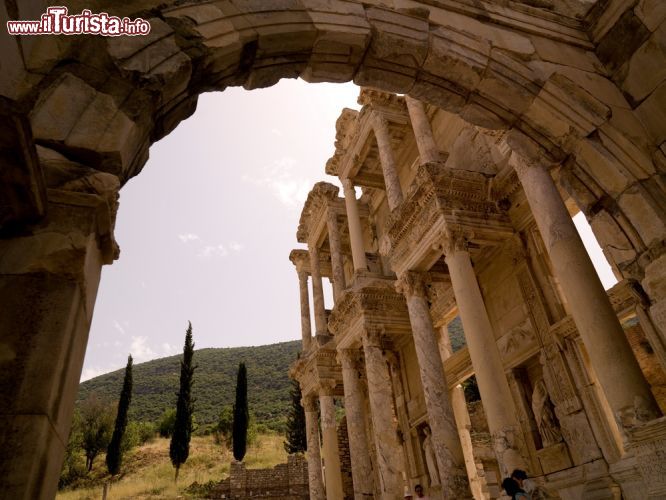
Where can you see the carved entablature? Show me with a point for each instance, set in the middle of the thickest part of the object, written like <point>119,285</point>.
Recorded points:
<point>372,306</point>
<point>317,370</point>
<point>376,99</point>
<point>440,201</point>
<point>301,260</point>
<point>346,128</point>
<point>313,211</point>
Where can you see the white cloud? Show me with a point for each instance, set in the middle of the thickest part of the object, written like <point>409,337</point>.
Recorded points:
<point>169,349</point>
<point>187,237</point>
<point>118,327</point>
<point>92,372</point>
<point>140,350</point>
<point>280,179</point>
<point>276,132</point>
<point>235,246</point>
<point>213,251</point>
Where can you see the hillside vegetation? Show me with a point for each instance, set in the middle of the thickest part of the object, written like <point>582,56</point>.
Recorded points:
<point>156,384</point>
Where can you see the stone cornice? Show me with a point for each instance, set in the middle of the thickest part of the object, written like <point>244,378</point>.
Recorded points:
<point>441,200</point>
<point>346,127</point>
<point>301,260</point>
<point>375,305</point>
<point>318,368</point>
<point>318,198</point>
<point>354,131</point>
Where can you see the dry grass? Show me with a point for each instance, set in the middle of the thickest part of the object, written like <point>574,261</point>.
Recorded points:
<point>150,475</point>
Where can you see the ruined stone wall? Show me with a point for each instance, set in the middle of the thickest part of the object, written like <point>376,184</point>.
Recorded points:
<point>283,482</point>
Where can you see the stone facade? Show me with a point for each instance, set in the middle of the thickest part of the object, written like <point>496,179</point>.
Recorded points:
<point>457,220</point>
<point>518,113</point>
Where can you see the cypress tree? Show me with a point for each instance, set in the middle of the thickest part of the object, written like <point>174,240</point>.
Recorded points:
<point>296,435</point>
<point>179,448</point>
<point>114,453</point>
<point>241,414</point>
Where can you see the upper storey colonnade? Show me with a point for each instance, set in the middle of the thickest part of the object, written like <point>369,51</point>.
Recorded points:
<point>459,223</point>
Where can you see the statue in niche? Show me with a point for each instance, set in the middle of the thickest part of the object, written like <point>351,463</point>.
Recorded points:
<point>431,459</point>
<point>545,416</point>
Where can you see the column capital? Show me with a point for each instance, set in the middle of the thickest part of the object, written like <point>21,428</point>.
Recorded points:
<point>372,336</point>
<point>413,283</point>
<point>348,358</point>
<point>379,120</point>
<point>347,184</point>
<point>327,387</point>
<point>309,402</point>
<point>455,239</point>
<point>525,153</point>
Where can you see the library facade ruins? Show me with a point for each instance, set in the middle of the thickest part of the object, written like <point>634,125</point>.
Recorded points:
<point>485,126</point>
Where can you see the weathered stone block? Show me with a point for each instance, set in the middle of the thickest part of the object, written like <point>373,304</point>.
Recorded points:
<point>612,239</point>
<point>397,50</point>
<point>343,34</point>
<point>73,114</point>
<point>647,67</point>
<point>32,469</point>
<point>652,13</point>
<point>652,112</point>
<point>156,59</point>
<point>643,214</point>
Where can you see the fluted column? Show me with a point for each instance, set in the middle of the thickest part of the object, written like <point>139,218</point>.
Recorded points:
<point>488,369</point>
<point>425,142</point>
<point>336,254</point>
<point>306,327</point>
<point>317,293</point>
<point>359,451</point>
<point>476,485</point>
<point>445,439</point>
<point>333,473</point>
<point>390,462</point>
<point>355,230</point>
<point>619,374</point>
<point>387,159</point>
<point>312,454</point>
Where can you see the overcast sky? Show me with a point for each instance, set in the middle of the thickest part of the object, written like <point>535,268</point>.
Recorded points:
<point>206,229</point>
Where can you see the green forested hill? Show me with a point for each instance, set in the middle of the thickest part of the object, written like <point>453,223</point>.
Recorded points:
<point>156,383</point>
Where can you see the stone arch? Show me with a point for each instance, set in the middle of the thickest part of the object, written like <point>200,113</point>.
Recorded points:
<point>115,96</point>
<point>94,105</point>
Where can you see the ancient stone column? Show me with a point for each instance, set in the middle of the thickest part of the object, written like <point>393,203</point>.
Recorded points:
<point>476,484</point>
<point>445,439</point>
<point>49,275</point>
<point>390,460</point>
<point>355,230</point>
<point>387,159</point>
<point>336,254</point>
<point>612,359</point>
<point>333,472</point>
<point>317,293</point>
<point>312,455</point>
<point>306,328</point>
<point>358,444</point>
<point>425,142</point>
<point>485,356</point>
